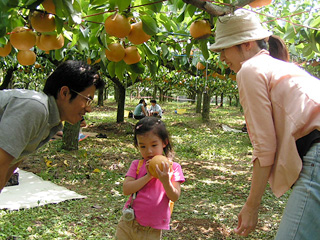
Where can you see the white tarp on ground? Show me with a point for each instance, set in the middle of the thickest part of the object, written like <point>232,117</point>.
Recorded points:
<point>33,191</point>
<point>229,129</point>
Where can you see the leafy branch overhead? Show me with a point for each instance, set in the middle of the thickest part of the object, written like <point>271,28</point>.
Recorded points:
<point>158,34</point>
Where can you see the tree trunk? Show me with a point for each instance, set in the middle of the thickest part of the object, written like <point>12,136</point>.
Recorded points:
<point>70,139</point>
<point>7,79</point>
<point>138,93</point>
<point>199,101</point>
<point>106,93</point>
<point>206,107</point>
<point>154,93</point>
<point>116,93</point>
<point>161,95</point>
<point>121,103</point>
<point>100,97</point>
<point>221,100</point>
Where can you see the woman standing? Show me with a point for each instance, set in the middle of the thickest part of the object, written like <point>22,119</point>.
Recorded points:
<point>281,105</point>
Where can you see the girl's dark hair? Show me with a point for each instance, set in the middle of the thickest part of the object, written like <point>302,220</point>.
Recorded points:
<point>76,75</point>
<point>277,47</point>
<point>155,125</point>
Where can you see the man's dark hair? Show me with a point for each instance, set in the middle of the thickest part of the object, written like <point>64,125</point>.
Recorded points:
<point>76,75</point>
<point>153,101</point>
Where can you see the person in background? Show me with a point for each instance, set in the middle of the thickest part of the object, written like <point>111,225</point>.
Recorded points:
<point>150,196</point>
<point>281,105</point>
<point>140,110</point>
<point>29,119</point>
<point>155,109</point>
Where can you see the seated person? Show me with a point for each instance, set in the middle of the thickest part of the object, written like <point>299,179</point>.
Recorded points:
<point>155,109</point>
<point>140,111</point>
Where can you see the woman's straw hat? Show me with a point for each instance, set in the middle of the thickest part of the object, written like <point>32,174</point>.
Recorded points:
<point>231,30</point>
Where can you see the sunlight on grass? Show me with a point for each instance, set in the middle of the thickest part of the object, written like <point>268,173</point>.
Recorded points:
<point>216,164</point>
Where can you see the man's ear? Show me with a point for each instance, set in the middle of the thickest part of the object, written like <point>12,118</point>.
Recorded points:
<point>64,92</point>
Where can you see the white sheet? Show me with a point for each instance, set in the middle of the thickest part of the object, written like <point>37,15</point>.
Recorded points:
<point>33,191</point>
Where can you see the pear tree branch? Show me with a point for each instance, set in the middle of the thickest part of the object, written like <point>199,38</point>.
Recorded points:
<point>217,10</point>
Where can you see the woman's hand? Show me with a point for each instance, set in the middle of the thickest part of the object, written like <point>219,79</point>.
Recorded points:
<point>247,220</point>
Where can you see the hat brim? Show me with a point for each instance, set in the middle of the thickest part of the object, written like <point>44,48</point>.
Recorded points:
<point>223,43</point>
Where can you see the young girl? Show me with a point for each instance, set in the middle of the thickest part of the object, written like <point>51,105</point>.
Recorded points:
<point>151,204</point>
<point>281,105</point>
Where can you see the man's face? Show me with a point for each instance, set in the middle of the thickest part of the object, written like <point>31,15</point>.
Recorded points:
<point>73,110</point>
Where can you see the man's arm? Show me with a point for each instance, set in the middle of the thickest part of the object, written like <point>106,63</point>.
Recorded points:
<point>5,169</point>
<point>248,217</point>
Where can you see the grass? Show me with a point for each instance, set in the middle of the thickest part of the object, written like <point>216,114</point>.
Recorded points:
<point>216,165</point>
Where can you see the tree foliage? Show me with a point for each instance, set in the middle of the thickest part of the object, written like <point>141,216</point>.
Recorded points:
<point>169,58</point>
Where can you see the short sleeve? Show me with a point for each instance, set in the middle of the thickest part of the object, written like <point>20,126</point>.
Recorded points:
<point>133,169</point>
<point>177,173</point>
<point>20,123</point>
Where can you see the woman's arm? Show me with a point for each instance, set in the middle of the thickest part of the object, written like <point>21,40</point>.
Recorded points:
<point>248,216</point>
<point>144,110</point>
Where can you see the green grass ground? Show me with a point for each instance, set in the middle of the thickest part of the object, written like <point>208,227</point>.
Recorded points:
<point>216,165</point>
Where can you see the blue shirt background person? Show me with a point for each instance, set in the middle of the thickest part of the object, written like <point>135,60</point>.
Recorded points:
<point>155,109</point>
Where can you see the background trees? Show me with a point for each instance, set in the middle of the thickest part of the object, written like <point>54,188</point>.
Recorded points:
<point>161,55</point>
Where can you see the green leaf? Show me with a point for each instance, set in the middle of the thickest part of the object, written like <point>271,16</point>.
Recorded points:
<point>148,51</point>
<point>166,22</point>
<point>112,69</point>
<point>123,4</point>
<point>3,41</point>
<point>180,18</point>
<point>59,54</point>
<point>155,7</point>
<point>112,4</point>
<point>204,48</point>
<point>59,24</point>
<point>98,2</point>
<point>188,48</point>
<point>120,69</point>
<point>31,4</point>
<point>136,68</point>
<point>149,25</point>
<point>152,67</point>
<point>133,76</point>
<point>9,3</point>
<point>165,50</point>
<point>315,22</point>
<point>313,42</point>
<point>191,9</point>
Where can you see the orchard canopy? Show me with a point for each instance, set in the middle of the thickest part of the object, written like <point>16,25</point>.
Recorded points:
<point>143,42</point>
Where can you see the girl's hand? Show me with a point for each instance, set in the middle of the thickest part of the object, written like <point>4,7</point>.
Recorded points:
<point>164,175</point>
<point>147,167</point>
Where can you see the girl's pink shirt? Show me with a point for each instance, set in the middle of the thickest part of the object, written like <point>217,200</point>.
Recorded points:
<point>151,205</point>
<point>281,104</point>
